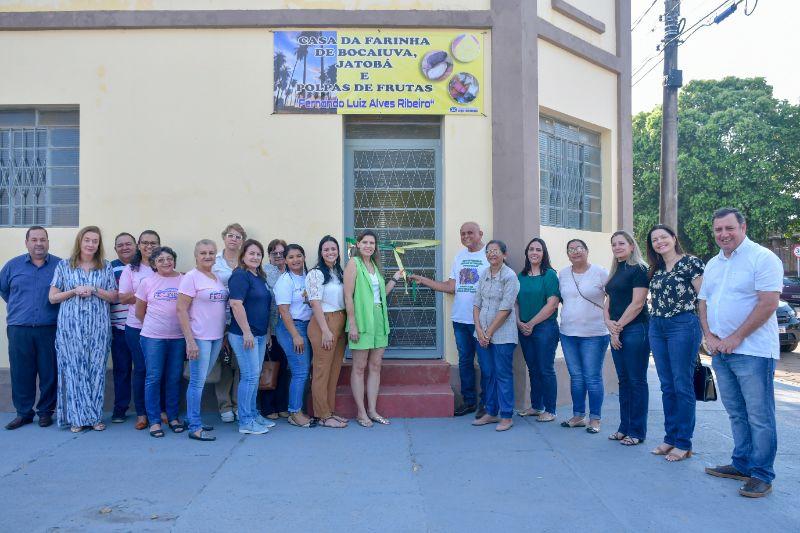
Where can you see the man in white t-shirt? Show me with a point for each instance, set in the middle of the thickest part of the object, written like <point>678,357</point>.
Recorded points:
<point>464,275</point>
<point>740,293</point>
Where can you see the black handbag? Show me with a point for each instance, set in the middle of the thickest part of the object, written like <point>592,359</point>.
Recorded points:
<point>704,388</point>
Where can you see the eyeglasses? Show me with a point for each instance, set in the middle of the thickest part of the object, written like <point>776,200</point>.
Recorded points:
<point>494,251</point>
<point>148,243</point>
<point>276,255</point>
<point>576,250</point>
<point>164,260</point>
<point>234,236</point>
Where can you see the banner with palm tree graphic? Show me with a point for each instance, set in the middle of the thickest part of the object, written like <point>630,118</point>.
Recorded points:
<point>360,71</point>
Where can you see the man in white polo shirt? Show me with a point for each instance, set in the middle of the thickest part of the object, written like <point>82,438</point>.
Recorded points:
<point>740,293</point>
<point>464,275</point>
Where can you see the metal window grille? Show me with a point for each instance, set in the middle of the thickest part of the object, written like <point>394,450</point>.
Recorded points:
<point>393,192</point>
<point>39,181</point>
<point>570,176</point>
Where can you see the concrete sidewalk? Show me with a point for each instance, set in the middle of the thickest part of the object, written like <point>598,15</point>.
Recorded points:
<point>416,475</point>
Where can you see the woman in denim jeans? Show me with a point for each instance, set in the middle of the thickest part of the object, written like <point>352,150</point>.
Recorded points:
<point>161,339</point>
<point>248,335</point>
<point>496,331</point>
<point>292,331</point>
<point>627,319</point>
<point>202,299</point>
<point>675,336</point>
<point>537,309</point>
<point>584,336</point>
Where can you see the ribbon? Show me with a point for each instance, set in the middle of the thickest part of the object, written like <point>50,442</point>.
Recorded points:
<point>398,248</point>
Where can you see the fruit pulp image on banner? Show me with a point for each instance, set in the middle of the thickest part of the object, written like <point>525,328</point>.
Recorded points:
<point>373,71</point>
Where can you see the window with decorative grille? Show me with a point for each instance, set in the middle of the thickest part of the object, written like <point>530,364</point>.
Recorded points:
<point>39,181</point>
<point>570,176</point>
<point>393,187</point>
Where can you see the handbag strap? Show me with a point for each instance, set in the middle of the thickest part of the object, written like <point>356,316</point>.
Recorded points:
<point>577,286</point>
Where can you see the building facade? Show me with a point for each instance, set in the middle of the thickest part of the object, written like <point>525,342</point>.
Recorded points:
<point>163,114</point>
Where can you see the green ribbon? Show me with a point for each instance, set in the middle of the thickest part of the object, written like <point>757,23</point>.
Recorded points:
<point>398,248</point>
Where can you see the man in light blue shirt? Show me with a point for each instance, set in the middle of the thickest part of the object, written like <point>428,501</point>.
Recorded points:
<point>740,293</point>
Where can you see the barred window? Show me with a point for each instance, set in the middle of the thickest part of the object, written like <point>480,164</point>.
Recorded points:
<point>39,167</point>
<point>570,176</point>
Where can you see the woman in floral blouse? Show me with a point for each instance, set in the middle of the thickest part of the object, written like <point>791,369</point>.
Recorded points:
<point>675,336</point>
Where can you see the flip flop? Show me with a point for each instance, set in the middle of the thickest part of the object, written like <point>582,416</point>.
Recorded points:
<point>204,436</point>
<point>294,423</point>
<point>178,427</point>
<point>157,433</point>
<point>616,436</point>
<point>364,423</point>
<point>380,420</point>
<point>659,450</point>
<point>592,429</point>
<point>631,441</point>
<point>674,457</point>
<point>580,424</point>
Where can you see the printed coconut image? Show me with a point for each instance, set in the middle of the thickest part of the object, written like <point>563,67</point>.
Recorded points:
<point>436,65</point>
<point>465,48</point>
<point>463,88</point>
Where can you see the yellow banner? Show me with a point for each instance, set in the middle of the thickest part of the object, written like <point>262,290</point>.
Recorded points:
<point>373,71</point>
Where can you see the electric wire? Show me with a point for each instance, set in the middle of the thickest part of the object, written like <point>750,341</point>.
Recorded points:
<point>643,15</point>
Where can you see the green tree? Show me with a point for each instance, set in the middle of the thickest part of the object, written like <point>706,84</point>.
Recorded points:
<point>738,146</point>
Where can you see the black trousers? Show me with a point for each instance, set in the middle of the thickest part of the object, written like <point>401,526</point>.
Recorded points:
<point>275,401</point>
<point>32,354</point>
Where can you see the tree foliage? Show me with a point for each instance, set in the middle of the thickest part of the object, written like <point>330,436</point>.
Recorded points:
<point>738,146</point>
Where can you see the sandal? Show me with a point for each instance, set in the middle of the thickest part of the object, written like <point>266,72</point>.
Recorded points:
<point>157,433</point>
<point>662,449</point>
<point>341,419</point>
<point>202,435</point>
<point>631,441</point>
<point>100,426</point>
<point>530,411</point>
<point>592,429</point>
<point>364,422</point>
<point>546,417</point>
<point>77,429</point>
<point>379,419</point>
<point>569,424</point>
<point>616,436</point>
<point>332,422</point>
<point>675,457</point>
<point>295,423</point>
<point>177,426</point>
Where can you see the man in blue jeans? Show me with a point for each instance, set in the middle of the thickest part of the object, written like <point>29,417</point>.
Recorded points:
<point>464,275</point>
<point>738,298</point>
<point>31,320</point>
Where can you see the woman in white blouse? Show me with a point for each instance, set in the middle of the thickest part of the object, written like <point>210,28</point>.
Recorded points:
<point>584,336</point>
<point>326,330</point>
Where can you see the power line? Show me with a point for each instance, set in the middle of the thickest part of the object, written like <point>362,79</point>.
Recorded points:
<point>696,26</point>
<point>643,15</point>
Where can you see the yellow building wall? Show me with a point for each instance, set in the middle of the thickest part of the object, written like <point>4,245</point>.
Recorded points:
<point>602,10</point>
<point>144,5</point>
<point>177,135</point>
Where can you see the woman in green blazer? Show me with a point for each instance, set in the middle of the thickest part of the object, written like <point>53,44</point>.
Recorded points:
<point>367,323</point>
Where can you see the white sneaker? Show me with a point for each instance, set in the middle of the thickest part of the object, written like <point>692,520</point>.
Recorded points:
<point>253,429</point>
<point>267,423</point>
<point>227,417</point>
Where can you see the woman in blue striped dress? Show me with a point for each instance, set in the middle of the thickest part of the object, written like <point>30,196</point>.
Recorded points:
<point>84,285</point>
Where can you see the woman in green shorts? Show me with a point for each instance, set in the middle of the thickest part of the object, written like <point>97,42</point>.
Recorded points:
<point>367,323</point>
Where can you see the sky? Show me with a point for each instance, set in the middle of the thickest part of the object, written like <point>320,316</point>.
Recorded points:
<point>766,44</point>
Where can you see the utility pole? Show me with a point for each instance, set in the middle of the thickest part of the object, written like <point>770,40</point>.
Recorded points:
<point>673,79</point>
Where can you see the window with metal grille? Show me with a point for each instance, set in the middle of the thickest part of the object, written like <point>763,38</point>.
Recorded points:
<point>39,181</point>
<point>570,176</point>
<point>393,183</point>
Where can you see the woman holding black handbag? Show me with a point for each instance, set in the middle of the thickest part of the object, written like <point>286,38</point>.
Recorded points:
<point>675,335</point>
<point>584,336</point>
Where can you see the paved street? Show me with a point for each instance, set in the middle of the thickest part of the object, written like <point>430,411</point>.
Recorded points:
<point>415,475</point>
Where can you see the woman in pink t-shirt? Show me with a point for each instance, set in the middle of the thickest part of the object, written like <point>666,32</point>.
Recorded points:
<point>161,339</point>
<point>202,298</point>
<point>130,279</point>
